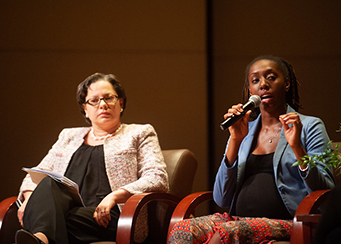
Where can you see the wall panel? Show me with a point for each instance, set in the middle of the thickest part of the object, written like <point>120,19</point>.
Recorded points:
<point>156,48</point>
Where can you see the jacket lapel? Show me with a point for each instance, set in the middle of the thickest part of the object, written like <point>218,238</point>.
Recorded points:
<point>280,149</point>
<point>244,152</point>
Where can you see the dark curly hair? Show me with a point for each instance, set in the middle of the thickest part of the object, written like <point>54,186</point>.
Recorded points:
<point>292,96</point>
<point>83,87</point>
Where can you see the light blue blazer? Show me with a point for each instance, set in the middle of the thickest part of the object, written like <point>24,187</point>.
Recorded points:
<point>292,184</point>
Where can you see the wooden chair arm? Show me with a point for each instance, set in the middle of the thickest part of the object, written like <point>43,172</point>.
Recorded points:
<point>312,202</point>
<point>301,232</point>
<point>187,205</point>
<point>8,215</point>
<point>131,209</point>
<point>4,206</point>
<point>311,218</point>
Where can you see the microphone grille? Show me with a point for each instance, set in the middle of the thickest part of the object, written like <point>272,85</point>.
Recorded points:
<point>256,100</point>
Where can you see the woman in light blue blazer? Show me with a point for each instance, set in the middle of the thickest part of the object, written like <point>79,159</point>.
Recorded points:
<point>256,178</point>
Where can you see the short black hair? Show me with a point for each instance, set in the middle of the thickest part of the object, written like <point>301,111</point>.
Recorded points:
<point>83,87</point>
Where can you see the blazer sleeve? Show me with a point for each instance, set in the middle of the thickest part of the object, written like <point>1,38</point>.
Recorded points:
<point>315,138</point>
<point>151,168</point>
<point>225,183</point>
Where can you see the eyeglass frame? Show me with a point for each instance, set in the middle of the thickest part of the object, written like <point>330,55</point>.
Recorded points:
<point>104,99</point>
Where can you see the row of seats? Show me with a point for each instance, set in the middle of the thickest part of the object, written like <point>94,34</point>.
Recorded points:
<point>165,209</point>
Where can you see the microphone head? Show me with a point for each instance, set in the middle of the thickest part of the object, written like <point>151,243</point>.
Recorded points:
<point>256,100</point>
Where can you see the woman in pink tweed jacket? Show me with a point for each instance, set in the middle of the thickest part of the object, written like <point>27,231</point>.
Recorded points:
<point>110,161</point>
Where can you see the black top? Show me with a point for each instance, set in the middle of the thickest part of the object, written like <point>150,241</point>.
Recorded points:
<point>87,169</point>
<point>259,195</point>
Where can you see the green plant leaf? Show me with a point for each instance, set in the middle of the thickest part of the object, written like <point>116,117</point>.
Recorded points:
<point>329,158</point>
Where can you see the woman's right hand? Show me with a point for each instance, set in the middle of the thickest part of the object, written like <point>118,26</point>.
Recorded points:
<point>20,213</point>
<point>21,210</point>
<point>239,129</point>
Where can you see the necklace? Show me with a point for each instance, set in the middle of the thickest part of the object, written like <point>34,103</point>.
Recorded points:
<point>270,140</point>
<point>99,138</point>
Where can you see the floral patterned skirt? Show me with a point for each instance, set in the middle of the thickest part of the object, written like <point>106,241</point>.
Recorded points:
<point>231,229</point>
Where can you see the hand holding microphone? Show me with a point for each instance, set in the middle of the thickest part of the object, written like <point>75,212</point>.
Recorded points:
<point>254,102</point>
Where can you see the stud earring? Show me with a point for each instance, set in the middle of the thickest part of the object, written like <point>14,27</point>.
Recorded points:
<point>121,110</point>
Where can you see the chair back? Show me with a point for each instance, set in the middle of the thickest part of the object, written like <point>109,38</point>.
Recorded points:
<point>181,168</point>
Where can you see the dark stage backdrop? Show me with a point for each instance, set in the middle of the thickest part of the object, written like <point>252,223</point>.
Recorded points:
<point>157,49</point>
<point>181,62</point>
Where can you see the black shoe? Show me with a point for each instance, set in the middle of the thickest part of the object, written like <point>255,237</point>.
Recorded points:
<point>25,237</point>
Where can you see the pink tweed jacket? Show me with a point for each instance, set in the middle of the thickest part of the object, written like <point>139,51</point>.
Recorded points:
<point>133,159</point>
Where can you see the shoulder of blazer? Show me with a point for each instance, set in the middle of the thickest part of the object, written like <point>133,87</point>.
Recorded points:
<point>74,132</point>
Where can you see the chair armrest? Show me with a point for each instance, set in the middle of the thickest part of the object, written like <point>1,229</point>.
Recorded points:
<point>312,202</point>
<point>9,223</point>
<point>4,206</point>
<point>308,218</point>
<point>131,209</point>
<point>187,205</point>
<point>301,231</point>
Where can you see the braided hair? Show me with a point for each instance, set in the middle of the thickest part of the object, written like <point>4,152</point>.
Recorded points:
<point>292,96</point>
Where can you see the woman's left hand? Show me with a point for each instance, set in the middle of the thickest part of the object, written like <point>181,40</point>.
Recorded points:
<point>102,212</point>
<point>292,133</point>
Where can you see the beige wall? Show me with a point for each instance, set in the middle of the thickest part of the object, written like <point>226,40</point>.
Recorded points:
<point>156,48</point>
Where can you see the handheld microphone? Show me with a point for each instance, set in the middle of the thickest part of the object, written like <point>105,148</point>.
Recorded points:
<point>254,102</point>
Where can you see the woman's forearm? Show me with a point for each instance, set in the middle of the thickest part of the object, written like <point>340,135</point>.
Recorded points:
<point>232,151</point>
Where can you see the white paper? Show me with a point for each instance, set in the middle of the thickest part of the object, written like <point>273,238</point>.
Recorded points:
<point>37,175</point>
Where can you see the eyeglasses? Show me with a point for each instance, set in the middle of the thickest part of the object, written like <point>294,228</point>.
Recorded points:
<point>97,100</point>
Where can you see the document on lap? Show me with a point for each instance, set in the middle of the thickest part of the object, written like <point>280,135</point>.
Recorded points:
<point>37,175</point>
